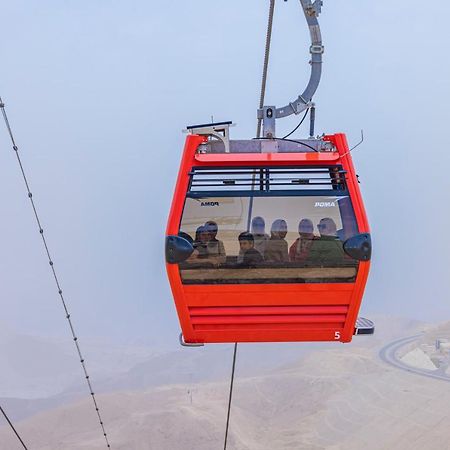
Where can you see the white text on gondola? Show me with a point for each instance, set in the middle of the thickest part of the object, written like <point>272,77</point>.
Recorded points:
<point>325,204</point>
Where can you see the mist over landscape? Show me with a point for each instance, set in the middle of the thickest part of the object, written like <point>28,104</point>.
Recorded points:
<point>97,94</point>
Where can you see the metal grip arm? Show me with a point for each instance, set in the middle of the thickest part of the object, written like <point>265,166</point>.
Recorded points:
<point>312,11</point>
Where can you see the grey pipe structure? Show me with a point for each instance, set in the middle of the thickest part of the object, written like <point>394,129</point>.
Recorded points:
<point>303,101</point>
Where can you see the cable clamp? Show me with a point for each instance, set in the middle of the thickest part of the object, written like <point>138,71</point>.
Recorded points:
<point>316,49</point>
<point>312,9</point>
<point>300,105</point>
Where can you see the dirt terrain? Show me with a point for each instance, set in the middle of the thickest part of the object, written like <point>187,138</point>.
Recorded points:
<point>340,397</point>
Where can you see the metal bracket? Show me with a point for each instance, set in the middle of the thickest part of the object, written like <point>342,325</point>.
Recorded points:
<point>218,130</point>
<point>311,11</point>
<point>183,343</point>
<point>269,121</point>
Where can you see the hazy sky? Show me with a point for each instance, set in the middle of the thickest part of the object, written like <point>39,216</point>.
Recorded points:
<point>98,93</point>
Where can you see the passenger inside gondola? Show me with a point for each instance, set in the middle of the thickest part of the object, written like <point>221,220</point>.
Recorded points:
<point>215,247</point>
<point>201,241</point>
<point>277,247</point>
<point>300,249</point>
<point>260,237</point>
<point>199,244</point>
<point>251,256</point>
<point>301,254</point>
<point>258,230</point>
<point>327,249</point>
<point>201,254</point>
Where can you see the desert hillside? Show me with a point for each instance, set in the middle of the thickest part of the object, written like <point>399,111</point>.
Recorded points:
<point>340,397</point>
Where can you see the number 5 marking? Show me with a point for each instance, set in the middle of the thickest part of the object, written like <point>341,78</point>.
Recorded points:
<point>337,335</point>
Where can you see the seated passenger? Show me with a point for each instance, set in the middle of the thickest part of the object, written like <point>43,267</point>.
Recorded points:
<point>300,249</point>
<point>215,247</point>
<point>258,230</point>
<point>327,249</point>
<point>201,241</point>
<point>200,252</point>
<point>203,254</point>
<point>277,247</point>
<point>250,256</point>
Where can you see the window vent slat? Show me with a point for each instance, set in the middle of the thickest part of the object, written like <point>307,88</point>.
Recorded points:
<point>268,179</point>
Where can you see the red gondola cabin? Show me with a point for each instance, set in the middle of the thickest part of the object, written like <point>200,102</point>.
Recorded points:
<point>267,240</point>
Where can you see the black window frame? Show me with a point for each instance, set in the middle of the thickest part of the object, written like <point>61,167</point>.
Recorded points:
<point>340,190</point>
<point>264,182</point>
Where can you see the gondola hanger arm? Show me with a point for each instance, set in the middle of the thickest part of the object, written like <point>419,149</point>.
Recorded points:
<point>270,113</point>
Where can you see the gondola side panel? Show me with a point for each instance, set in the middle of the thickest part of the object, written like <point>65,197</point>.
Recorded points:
<point>173,225</point>
<point>341,143</point>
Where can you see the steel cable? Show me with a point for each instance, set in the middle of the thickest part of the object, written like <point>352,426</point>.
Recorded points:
<point>55,276</point>
<point>266,64</point>
<point>230,396</point>
<point>12,427</point>
<point>263,92</point>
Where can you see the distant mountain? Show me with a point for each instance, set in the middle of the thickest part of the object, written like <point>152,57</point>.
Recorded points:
<point>38,374</point>
<point>41,367</point>
<point>332,397</point>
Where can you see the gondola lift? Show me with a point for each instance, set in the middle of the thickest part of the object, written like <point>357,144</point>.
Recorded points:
<point>268,239</point>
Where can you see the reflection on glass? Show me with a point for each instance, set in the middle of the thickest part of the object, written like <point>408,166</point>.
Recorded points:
<point>305,242</point>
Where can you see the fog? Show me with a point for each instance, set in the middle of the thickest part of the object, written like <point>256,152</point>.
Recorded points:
<point>98,93</point>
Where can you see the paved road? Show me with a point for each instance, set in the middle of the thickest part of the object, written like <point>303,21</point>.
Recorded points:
<point>388,355</point>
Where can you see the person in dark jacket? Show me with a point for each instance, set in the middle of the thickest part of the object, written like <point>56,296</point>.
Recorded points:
<point>260,237</point>
<point>251,256</point>
<point>328,249</point>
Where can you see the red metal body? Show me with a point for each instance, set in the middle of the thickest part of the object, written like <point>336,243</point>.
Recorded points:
<point>269,312</point>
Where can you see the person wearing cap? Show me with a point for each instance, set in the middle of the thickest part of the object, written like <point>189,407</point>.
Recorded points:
<point>299,250</point>
<point>277,247</point>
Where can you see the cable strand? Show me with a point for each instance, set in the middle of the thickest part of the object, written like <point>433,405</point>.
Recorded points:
<point>266,63</point>
<point>230,396</point>
<point>55,276</point>
<point>13,428</point>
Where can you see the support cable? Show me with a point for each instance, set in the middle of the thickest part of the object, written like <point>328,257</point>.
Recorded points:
<point>266,64</point>
<point>12,427</point>
<point>55,276</point>
<point>230,397</point>
<point>262,95</point>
